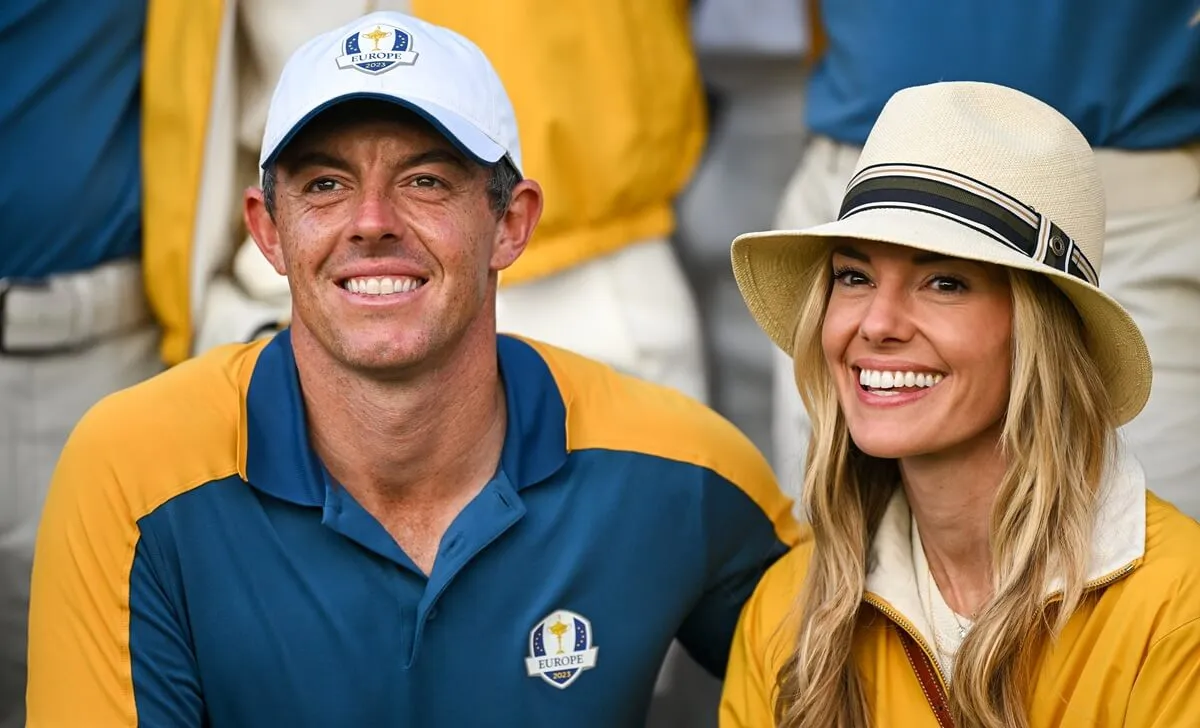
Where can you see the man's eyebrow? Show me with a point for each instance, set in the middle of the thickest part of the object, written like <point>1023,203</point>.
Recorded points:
<point>315,158</point>
<point>434,156</point>
<point>307,159</point>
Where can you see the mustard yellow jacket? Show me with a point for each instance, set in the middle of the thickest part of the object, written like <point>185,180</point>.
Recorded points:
<point>610,111</point>
<point>1129,656</point>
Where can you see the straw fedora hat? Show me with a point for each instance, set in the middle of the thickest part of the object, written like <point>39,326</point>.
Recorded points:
<point>976,171</point>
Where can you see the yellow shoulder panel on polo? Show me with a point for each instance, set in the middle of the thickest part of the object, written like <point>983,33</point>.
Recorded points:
<point>132,452</point>
<point>612,411</point>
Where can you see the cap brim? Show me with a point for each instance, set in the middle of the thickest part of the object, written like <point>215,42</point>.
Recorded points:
<point>770,270</point>
<point>465,135</point>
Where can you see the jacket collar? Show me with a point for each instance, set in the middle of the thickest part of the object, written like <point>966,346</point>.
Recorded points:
<point>277,458</point>
<point>1118,544</point>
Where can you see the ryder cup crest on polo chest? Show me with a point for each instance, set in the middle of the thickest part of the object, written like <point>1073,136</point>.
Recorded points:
<point>377,48</point>
<point>561,647</point>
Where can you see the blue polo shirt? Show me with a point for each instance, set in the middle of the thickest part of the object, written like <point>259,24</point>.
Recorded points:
<point>1125,72</point>
<point>196,565</point>
<point>70,125</point>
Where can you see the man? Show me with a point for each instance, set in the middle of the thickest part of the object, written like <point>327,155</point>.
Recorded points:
<point>1128,76</point>
<point>387,514</point>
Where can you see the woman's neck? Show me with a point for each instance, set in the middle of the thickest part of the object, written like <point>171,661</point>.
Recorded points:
<point>951,494</point>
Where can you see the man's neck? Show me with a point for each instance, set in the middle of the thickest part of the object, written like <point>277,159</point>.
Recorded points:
<point>433,438</point>
<point>951,496</point>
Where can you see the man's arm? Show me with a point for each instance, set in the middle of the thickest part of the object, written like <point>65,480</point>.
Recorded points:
<point>746,526</point>
<point>106,643</point>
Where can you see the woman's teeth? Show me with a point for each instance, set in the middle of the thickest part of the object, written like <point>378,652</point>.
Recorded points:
<point>876,379</point>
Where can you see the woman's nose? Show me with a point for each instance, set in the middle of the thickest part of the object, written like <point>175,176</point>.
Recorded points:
<point>888,315</point>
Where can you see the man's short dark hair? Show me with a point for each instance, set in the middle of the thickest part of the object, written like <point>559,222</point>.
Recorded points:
<point>503,180</point>
<point>501,184</point>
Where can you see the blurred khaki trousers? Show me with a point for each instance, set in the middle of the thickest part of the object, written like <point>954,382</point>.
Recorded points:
<point>631,309</point>
<point>42,396</point>
<point>1151,266</point>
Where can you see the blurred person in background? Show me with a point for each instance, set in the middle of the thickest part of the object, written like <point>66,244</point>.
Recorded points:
<point>74,321</point>
<point>752,56</point>
<point>611,109</point>
<point>1127,74</point>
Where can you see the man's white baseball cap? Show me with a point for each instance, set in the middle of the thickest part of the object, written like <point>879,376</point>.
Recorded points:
<point>430,70</point>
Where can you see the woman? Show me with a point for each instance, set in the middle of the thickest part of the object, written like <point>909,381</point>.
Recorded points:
<point>981,551</point>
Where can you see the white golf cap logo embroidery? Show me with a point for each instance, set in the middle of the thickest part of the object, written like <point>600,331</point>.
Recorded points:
<point>377,49</point>
<point>561,648</point>
<point>452,85</point>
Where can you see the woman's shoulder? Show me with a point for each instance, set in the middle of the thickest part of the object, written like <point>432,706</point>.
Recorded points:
<point>1169,531</point>
<point>1163,588</point>
<point>1172,559</point>
<point>770,614</point>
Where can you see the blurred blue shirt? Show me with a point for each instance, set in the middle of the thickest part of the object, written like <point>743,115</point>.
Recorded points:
<point>70,123</point>
<point>1126,72</point>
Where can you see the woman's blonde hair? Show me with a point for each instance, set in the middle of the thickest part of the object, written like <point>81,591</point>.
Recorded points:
<point>1057,439</point>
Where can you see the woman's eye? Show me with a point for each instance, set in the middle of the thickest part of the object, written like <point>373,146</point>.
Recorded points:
<point>948,284</point>
<point>849,277</point>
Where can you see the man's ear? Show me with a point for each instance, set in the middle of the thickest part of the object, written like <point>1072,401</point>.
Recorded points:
<point>517,224</point>
<point>262,228</point>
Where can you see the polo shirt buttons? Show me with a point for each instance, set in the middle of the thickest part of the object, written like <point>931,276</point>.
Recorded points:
<point>433,613</point>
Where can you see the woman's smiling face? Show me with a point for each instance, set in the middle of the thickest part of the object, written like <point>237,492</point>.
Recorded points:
<point>919,346</point>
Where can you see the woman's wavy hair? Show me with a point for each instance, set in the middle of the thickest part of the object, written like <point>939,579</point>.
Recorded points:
<point>1057,439</point>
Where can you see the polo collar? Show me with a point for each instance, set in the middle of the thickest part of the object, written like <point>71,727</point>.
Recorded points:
<point>279,460</point>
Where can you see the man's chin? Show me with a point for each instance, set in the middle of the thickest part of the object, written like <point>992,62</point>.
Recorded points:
<point>383,355</point>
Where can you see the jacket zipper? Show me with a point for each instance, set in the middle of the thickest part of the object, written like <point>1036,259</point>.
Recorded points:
<point>903,623</point>
<point>1098,582</point>
<point>900,621</point>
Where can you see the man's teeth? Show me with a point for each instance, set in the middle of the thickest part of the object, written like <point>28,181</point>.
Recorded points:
<point>382,286</point>
<point>876,379</point>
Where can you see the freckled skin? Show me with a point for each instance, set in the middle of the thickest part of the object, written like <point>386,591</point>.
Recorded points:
<point>402,391</point>
<point>385,188</point>
<point>950,315</point>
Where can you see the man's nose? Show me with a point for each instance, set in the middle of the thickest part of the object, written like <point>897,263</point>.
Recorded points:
<point>377,216</point>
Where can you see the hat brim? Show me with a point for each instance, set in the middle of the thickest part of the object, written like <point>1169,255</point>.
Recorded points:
<point>461,132</point>
<point>770,266</point>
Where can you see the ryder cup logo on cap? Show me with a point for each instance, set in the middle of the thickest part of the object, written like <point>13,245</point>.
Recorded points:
<point>430,70</point>
<point>386,47</point>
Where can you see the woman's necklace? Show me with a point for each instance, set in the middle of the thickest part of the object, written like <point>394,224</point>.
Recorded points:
<point>962,628</point>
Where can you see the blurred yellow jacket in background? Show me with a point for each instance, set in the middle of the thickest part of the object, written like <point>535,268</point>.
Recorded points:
<point>184,41</point>
<point>610,109</point>
<point>608,98</point>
